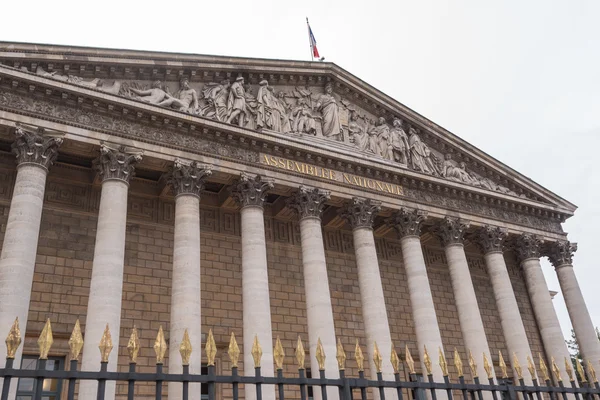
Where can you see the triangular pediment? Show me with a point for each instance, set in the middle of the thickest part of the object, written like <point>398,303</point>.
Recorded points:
<point>304,104</point>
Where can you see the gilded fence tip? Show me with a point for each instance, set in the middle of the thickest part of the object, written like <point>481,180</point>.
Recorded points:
<point>517,366</point>
<point>502,364</point>
<point>555,370</point>
<point>580,370</point>
<point>409,360</point>
<point>76,341</point>
<point>531,367</point>
<point>395,360</point>
<point>185,348</point>
<point>340,355</point>
<point>300,354</point>
<point>133,346</point>
<point>472,365</point>
<point>233,351</point>
<point>458,363</point>
<point>426,360</point>
<point>569,369</point>
<point>543,368</point>
<point>442,362</point>
<point>160,346</point>
<point>377,359</point>
<point>13,340</point>
<point>358,356</point>
<point>105,345</point>
<point>320,355</point>
<point>592,372</point>
<point>278,354</point>
<point>256,352</point>
<point>487,367</point>
<point>210,348</point>
<point>45,340</point>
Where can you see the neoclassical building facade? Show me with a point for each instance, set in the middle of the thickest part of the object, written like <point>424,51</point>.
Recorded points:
<point>265,198</point>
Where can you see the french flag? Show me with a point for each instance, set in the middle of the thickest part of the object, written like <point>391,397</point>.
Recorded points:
<point>313,42</point>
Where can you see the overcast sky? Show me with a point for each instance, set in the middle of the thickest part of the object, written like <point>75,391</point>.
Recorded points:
<point>518,79</point>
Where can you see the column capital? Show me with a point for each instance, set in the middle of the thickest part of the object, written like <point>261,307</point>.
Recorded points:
<point>561,253</point>
<point>309,202</point>
<point>528,246</point>
<point>451,230</point>
<point>407,222</point>
<point>251,191</point>
<point>360,213</point>
<point>188,178</point>
<point>116,163</point>
<point>491,238</point>
<point>34,147</point>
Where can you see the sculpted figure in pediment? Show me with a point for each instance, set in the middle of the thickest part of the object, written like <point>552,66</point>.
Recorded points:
<point>303,120</point>
<point>236,103</point>
<point>215,97</point>
<point>357,133</point>
<point>421,157</point>
<point>154,95</point>
<point>327,105</point>
<point>382,140</point>
<point>265,99</point>
<point>456,173</point>
<point>66,78</point>
<point>399,142</point>
<point>280,111</point>
<point>185,99</point>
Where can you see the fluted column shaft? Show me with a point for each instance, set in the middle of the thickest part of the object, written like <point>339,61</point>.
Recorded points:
<point>250,193</point>
<point>19,249</point>
<point>451,232</point>
<point>187,182</point>
<point>106,287</point>
<point>408,224</point>
<point>561,255</point>
<point>309,203</point>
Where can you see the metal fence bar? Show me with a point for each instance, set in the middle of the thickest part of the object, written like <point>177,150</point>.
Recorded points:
<point>7,379</point>
<point>322,383</point>
<point>72,381</point>
<point>234,384</point>
<point>101,381</point>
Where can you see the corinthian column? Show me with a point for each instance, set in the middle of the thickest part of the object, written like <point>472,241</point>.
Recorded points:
<point>561,257</point>
<point>491,239</point>
<point>408,225</point>
<point>187,182</point>
<point>115,167</point>
<point>35,154</point>
<point>309,203</point>
<point>360,213</point>
<point>250,193</point>
<point>528,250</point>
<point>451,232</point>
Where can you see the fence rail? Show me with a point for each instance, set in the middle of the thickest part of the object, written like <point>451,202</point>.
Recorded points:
<point>348,388</point>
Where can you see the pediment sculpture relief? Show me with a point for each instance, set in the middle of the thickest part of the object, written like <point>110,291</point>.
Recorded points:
<point>296,111</point>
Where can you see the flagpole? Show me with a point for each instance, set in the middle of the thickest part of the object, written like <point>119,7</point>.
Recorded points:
<point>309,40</point>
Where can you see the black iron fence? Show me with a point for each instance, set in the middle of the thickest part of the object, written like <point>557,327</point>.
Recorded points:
<point>347,387</point>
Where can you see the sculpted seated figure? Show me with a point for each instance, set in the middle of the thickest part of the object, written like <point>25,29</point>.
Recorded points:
<point>304,122</point>
<point>154,95</point>
<point>185,99</point>
<point>456,173</point>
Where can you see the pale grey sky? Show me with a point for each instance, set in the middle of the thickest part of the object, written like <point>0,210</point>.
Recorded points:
<point>518,79</point>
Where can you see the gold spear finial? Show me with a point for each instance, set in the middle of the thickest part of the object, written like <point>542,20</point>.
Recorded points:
<point>210,348</point>
<point>442,361</point>
<point>185,348</point>
<point>320,355</point>
<point>409,360</point>
<point>517,366</point>
<point>300,354</point>
<point>580,370</point>
<point>233,351</point>
<point>555,370</point>
<point>105,345</point>
<point>531,367</point>
<point>13,340</point>
<point>569,369</point>
<point>377,359</point>
<point>45,340</point>
<point>502,364</point>
<point>133,346</point>
<point>76,341</point>
<point>358,356</point>
<point>160,346</point>
<point>458,363</point>
<point>543,368</point>
<point>340,355</point>
<point>472,365</point>
<point>487,366</point>
<point>256,352</point>
<point>278,354</point>
<point>592,372</point>
<point>395,360</point>
<point>426,360</point>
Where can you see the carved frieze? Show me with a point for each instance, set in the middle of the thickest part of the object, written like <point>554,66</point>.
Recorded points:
<point>187,178</point>
<point>361,213</point>
<point>561,253</point>
<point>491,238</point>
<point>116,163</point>
<point>251,191</point>
<point>451,230</point>
<point>34,147</point>
<point>407,222</point>
<point>309,202</point>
